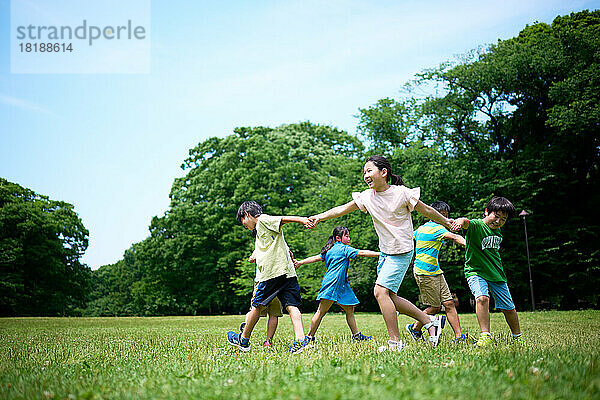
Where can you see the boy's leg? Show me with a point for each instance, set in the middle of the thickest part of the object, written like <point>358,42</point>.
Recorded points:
<point>479,289</point>
<point>429,293</point>
<point>296,318</point>
<point>272,323</point>
<point>289,294</point>
<point>445,297</point>
<point>251,319</point>
<point>513,321</point>
<point>482,310</point>
<point>274,312</point>
<point>324,306</point>
<point>505,304</point>
<point>452,316</point>
<point>349,310</point>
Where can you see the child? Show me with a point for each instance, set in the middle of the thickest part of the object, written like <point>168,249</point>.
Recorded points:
<point>430,277</point>
<point>390,203</point>
<point>277,273</point>
<point>483,267</point>
<point>335,287</point>
<point>273,309</point>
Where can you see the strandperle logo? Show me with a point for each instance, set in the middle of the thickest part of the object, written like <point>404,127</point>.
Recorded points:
<point>128,31</point>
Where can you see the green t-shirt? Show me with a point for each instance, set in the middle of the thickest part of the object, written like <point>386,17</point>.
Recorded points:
<point>482,256</point>
<point>272,252</point>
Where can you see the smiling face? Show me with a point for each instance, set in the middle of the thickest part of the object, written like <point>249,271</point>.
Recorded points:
<point>345,238</point>
<point>249,221</point>
<point>495,219</point>
<point>374,177</point>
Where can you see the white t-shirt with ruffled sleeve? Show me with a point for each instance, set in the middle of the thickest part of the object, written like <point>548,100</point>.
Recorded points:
<point>390,211</point>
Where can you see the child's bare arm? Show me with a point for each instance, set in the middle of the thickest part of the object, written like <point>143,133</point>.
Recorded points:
<point>292,218</point>
<point>455,238</point>
<point>368,253</point>
<point>432,214</point>
<point>333,213</point>
<point>460,223</point>
<point>307,260</point>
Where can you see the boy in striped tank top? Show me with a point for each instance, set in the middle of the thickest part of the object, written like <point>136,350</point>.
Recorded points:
<point>434,291</point>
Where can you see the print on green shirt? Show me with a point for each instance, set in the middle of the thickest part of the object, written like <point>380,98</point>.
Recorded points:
<point>482,256</point>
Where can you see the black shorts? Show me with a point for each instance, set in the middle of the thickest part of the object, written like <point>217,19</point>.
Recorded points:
<point>286,289</point>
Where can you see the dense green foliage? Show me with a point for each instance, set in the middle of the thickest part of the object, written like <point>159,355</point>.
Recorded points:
<point>519,119</point>
<point>187,358</point>
<point>41,242</point>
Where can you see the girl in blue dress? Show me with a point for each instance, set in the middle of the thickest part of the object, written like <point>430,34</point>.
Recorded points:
<point>335,287</point>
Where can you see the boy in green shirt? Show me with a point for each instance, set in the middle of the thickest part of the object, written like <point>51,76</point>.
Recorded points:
<point>483,266</point>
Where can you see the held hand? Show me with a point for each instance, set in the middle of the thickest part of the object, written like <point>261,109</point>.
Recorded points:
<point>306,222</point>
<point>457,224</point>
<point>252,258</point>
<point>296,264</point>
<point>313,221</point>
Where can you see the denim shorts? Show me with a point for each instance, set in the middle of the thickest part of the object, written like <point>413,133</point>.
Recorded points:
<point>500,293</point>
<point>391,269</point>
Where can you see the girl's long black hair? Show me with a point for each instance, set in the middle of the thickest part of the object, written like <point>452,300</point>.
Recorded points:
<point>381,162</point>
<point>337,231</point>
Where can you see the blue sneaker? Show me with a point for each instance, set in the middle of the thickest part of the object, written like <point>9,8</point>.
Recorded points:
<point>359,337</point>
<point>416,335</point>
<point>236,339</point>
<point>308,342</point>
<point>242,326</point>
<point>463,339</point>
<point>298,346</point>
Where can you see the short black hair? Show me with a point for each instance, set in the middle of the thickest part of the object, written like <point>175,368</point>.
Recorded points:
<point>440,206</point>
<point>498,203</point>
<point>249,207</point>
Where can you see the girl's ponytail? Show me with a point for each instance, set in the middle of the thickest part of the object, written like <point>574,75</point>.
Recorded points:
<point>396,180</point>
<point>337,231</point>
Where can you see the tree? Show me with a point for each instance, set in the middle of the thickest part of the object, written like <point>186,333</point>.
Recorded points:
<point>195,258</point>
<point>521,119</point>
<point>41,242</point>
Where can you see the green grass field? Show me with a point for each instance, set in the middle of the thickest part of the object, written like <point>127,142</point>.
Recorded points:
<point>187,357</point>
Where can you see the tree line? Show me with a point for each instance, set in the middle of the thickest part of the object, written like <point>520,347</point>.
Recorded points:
<point>520,119</point>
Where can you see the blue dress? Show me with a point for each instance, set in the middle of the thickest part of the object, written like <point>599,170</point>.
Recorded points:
<point>335,284</point>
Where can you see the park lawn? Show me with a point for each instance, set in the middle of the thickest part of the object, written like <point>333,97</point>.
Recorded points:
<point>188,357</point>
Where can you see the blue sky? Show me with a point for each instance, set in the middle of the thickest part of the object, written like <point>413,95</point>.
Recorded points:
<point>111,144</point>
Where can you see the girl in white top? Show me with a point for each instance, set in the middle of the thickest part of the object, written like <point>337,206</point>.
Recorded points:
<point>390,203</point>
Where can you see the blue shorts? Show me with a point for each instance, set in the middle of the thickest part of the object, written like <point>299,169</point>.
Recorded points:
<point>500,293</point>
<point>391,269</point>
<point>286,289</point>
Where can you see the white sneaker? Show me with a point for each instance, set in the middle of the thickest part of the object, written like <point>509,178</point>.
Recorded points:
<point>437,324</point>
<point>391,346</point>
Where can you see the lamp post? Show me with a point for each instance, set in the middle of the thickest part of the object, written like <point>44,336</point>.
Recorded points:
<point>524,214</point>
